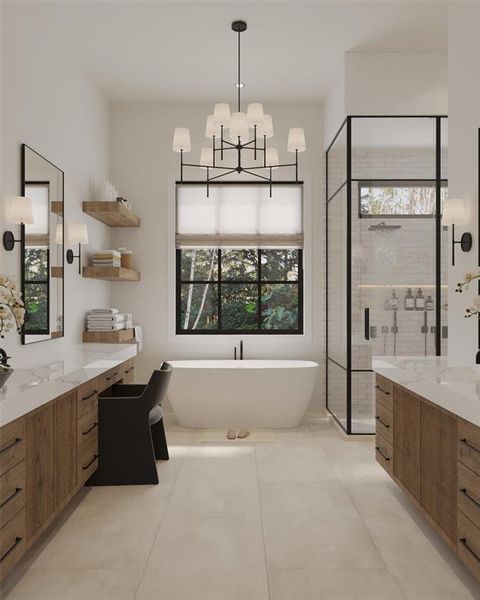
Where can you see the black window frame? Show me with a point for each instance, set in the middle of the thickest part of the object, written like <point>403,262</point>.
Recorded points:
<point>299,283</point>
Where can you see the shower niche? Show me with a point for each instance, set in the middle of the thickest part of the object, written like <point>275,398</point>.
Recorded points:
<point>387,254</point>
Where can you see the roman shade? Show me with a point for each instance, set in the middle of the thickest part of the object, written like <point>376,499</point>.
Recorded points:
<point>236,215</point>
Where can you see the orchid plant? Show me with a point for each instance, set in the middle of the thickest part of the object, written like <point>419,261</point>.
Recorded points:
<point>471,311</point>
<point>12,311</point>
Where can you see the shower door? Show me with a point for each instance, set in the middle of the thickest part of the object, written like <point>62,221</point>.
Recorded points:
<point>395,254</point>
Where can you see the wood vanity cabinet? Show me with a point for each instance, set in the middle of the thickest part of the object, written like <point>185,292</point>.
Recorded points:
<point>45,457</point>
<point>436,460</point>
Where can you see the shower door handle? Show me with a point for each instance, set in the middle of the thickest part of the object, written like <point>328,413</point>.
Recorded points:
<point>367,324</point>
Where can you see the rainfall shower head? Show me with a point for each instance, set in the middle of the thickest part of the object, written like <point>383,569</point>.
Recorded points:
<point>383,227</point>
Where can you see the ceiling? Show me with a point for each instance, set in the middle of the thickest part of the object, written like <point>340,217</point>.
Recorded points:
<point>179,50</point>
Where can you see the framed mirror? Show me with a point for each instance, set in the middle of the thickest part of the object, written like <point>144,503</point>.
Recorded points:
<point>42,253</point>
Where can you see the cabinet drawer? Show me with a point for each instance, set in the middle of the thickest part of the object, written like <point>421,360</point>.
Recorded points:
<point>468,543</point>
<point>384,422</point>
<point>384,391</point>
<point>87,397</point>
<point>468,493</point>
<point>12,492</point>
<point>384,453</point>
<point>129,371</point>
<point>87,429</point>
<point>12,542</point>
<point>12,444</point>
<point>87,463</point>
<point>113,376</point>
<point>468,445</point>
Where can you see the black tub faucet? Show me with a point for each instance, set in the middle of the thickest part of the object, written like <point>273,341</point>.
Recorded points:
<point>241,349</point>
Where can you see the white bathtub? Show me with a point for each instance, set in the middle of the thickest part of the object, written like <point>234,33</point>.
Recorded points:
<point>242,393</point>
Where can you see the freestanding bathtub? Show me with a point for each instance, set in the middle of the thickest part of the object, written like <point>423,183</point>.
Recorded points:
<point>241,393</point>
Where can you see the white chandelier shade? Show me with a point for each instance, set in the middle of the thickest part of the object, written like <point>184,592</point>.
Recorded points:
<point>239,126</point>
<point>181,140</point>
<point>272,159</point>
<point>255,114</point>
<point>296,140</point>
<point>212,129</point>
<point>206,157</point>
<point>268,126</point>
<point>221,115</point>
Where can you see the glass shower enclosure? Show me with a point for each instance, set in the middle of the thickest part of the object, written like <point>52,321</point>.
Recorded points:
<point>386,254</point>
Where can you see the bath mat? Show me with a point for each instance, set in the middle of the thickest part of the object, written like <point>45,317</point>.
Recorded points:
<point>219,436</point>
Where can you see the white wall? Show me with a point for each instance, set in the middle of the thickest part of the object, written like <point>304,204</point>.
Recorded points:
<point>464,121</point>
<point>49,103</point>
<point>144,169</point>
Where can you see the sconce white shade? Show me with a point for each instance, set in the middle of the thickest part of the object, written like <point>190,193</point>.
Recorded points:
<point>238,126</point>
<point>296,140</point>
<point>255,114</point>
<point>59,234</point>
<point>206,157</point>
<point>221,114</point>
<point>78,233</point>
<point>20,210</point>
<point>181,140</point>
<point>211,129</point>
<point>272,157</point>
<point>455,212</point>
<point>268,126</point>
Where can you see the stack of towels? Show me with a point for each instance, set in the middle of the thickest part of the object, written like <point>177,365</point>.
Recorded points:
<point>106,258</point>
<point>108,319</point>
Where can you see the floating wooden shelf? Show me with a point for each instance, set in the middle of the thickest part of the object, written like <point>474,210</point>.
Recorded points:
<point>57,272</point>
<point>111,273</point>
<point>56,334</point>
<point>57,208</point>
<point>114,214</point>
<point>108,337</point>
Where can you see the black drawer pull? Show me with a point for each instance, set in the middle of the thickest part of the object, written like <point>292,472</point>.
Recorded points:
<point>464,441</point>
<point>382,390</point>
<point>90,395</point>
<point>129,370</point>
<point>383,422</point>
<point>11,497</point>
<point>472,552</point>
<point>112,376</point>
<point>379,450</point>
<point>11,549</point>
<point>471,498</point>
<point>90,463</point>
<point>90,429</point>
<point>10,445</point>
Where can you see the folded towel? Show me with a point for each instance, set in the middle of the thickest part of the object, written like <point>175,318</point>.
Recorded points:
<point>108,311</point>
<point>117,317</point>
<point>112,327</point>
<point>139,337</point>
<point>106,254</point>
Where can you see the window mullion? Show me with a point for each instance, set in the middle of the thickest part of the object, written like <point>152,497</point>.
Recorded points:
<point>259,288</point>
<point>219,288</point>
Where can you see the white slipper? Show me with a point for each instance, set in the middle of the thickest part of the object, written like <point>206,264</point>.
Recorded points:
<point>243,433</point>
<point>231,434</point>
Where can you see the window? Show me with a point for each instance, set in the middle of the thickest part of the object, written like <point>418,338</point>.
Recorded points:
<point>231,290</point>
<point>398,198</point>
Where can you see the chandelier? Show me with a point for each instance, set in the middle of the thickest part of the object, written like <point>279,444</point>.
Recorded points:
<point>246,139</point>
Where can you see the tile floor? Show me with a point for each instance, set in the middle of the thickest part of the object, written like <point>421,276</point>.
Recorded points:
<point>308,517</point>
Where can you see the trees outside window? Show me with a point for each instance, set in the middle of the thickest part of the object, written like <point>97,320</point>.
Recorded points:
<point>239,290</point>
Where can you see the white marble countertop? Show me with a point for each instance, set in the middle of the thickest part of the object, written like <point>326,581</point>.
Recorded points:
<point>456,389</point>
<point>27,389</point>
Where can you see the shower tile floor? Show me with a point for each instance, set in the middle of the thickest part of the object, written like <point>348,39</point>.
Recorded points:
<point>310,516</point>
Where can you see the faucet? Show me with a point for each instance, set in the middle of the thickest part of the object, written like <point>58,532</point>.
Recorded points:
<point>235,351</point>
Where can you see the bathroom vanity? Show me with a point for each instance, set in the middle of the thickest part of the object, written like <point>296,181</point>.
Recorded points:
<point>49,439</point>
<point>428,441</point>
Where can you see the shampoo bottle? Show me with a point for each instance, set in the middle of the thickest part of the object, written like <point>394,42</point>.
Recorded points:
<point>420,300</point>
<point>409,300</point>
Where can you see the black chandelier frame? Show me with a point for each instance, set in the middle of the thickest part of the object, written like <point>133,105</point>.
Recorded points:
<point>226,145</point>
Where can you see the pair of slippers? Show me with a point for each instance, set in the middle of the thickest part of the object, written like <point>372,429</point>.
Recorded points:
<point>241,435</point>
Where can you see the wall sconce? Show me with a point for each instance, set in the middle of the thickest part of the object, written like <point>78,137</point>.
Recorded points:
<point>78,234</point>
<point>454,212</point>
<point>19,211</point>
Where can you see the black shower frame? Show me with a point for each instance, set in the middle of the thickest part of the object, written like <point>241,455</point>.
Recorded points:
<point>347,124</point>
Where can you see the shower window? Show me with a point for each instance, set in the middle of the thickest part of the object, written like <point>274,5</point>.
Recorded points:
<point>239,290</point>
<point>398,198</point>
